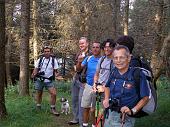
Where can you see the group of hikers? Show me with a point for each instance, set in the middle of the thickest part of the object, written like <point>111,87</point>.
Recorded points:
<point>106,68</point>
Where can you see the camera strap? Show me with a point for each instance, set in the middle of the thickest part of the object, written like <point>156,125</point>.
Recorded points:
<point>43,63</point>
<point>47,65</point>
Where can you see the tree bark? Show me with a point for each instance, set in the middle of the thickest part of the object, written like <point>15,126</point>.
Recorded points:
<point>116,9</point>
<point>34,22</point>
<point>9,30</point>
<point>24,48</point>
<point>161,47</point>
<point>3,111</point>
<point>126,18</point>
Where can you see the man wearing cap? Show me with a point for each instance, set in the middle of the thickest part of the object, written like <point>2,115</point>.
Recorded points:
<point>44,72</point>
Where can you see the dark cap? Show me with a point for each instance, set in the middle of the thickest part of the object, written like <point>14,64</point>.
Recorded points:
<point>112,43</point>
<point>127,41</point>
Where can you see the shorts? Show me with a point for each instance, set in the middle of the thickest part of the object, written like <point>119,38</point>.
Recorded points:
<point>39,85</point>
<point>88,98</point>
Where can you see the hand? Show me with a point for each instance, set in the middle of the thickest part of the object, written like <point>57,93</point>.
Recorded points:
<point>59,77</point>
<point>106,103</point>
<point>80,58</point>
<point>100,88</point>
<point>94,88</point>
<point>33,75</point>
<point>126,110</point>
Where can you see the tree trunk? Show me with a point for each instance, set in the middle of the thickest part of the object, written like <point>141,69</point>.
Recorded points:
<point>9,41</point>
<point>3,112</point>
<point>34,22</point>
<point>126,17</point>
<point>161,50</point>
<point>115,7</point>
<point>167,4</point>
<point>24,48</point>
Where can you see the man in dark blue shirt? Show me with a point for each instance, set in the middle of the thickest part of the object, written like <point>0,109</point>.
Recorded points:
<point>121,88</point>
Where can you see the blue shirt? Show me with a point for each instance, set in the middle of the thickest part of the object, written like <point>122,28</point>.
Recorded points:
<point>91,63</point>
<point>123,88</point>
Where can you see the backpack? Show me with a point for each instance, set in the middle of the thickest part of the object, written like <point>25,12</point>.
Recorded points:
<point>142,65</point>
<point>82,75</point>
<point>151,106</point>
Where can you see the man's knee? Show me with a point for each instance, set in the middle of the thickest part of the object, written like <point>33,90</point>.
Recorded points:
<point>52,91</point>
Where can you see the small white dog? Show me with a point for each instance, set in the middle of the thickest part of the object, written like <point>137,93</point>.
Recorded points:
<point>65,107</point>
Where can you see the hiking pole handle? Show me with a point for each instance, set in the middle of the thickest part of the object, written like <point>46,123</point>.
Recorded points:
<point>123,119</point>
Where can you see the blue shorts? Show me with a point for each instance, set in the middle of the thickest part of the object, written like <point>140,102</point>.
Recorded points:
<point>39,85</point>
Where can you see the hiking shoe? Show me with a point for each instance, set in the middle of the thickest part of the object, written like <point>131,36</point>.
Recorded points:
<point>73,122</point>
<point>54,112</point>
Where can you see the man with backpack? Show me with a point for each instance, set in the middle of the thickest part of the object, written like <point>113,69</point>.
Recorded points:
<point>44,73</point>
<point>88,98</point>
<point>125,95</point>
<point>77,85</point>
<point>105,64</point>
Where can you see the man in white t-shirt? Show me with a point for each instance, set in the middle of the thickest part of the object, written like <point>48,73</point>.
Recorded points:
<point>44,72</point>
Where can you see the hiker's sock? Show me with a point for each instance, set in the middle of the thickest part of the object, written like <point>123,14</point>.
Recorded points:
<point>52,106</point>
<point>38,105</point>
<point>93,125</point>
<point>85,124</point>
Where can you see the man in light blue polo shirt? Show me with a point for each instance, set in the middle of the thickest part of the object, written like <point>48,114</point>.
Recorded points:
<point>88,99</point>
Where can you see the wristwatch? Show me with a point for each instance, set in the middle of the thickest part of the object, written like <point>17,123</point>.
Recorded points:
<point>134,111</point>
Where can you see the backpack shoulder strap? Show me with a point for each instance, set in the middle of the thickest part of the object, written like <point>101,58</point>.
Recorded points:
<point>40,61</point>
<point>136,75</point>
<point>101,61</point>
<point>53,60</point>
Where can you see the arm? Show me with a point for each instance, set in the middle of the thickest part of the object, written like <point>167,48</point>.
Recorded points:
<point>96,77</point>
<point>144,94</point>
<point>138,107</point>
<point>34,73</point>
<point>79,64</point>
<point>106,99</point>
<point>36,69</point>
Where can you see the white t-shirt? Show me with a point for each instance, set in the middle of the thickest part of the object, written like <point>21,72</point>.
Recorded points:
<point>47,67</point>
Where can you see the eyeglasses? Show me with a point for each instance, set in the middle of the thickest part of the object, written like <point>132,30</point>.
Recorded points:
<point>96,47</point>
<point>107,47</point>
<point>121,58</point>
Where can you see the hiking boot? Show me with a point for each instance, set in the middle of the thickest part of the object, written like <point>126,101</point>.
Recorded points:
<point>54,112</point>
<point>73,122</point>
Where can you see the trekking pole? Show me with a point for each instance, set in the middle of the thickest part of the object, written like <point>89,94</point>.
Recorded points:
<point>123,119</point>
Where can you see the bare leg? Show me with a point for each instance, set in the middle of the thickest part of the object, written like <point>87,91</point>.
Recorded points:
<point>52,92</point>
<point>86,115</point>
<point>39,96</point>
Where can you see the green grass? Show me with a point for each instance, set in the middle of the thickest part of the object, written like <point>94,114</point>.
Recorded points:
<point>22,112</point>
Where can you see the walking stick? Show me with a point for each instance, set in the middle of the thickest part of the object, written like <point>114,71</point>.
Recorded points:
<point>123,119</point>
